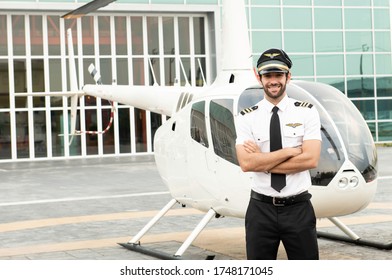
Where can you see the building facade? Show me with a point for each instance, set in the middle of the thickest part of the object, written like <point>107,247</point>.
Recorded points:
<point>345,43</point>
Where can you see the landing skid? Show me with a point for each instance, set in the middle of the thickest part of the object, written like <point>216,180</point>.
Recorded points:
<point>351,237</point>
<point>134,243</point>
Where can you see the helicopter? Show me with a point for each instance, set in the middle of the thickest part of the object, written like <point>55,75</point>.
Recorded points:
<point>194,148</point>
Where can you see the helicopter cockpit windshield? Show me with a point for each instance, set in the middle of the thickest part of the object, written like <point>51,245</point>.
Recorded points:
<point>342,128</point>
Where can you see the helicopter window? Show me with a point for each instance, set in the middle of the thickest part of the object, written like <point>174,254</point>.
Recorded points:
<point>249,97</point>
<point>198,123</point>
<point>223,129</point>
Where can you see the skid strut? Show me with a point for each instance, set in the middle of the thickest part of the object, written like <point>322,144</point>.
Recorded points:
<point>351,237</point>
<point>134,243</point>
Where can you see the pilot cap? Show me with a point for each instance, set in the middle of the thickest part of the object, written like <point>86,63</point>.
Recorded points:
<point>273,60</point>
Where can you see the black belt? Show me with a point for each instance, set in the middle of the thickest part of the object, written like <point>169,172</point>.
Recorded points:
<point>281,201</point>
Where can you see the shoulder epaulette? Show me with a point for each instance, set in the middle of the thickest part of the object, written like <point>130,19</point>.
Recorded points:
<point>248,110</point>
<point>303,104</point>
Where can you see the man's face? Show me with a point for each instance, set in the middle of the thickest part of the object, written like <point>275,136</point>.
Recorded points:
<point>274,84</point>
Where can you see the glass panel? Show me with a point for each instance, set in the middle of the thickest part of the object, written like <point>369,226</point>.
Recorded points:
<point>18,35</point>
<point>121,35</point>
<point>327,2</point>
<point>381,19</point>
<point>303,65</point>
<point>108,136</point>
<point>383,41</point>
<point>200,71</point>
<point>357,2</point>
<point>359,41</point>
<point>4,84</point>
<point>183,32</point>
<point>156,122</point>
<point>55,74</point>
<point>291,40</point>
<point>37,73</point>
<point>265,18</point>
<point>297,18</point>
<point>22,134</point>
<point>40,134</point>
<point>104,35</point>
<point>138,72</point>
<point>198,24</point>
<point>384,86</point>
<point>36,37</point>
<point>322,18</point>
<point>124,130</point>
<point>385,131</point>
<point>223,130</point>
<point>372,128</point>
<point>297,2</point>
<point>71,24</point>
<point>91,125</point>
<point>137,35</point>
<point>360,87</point>
<point>329,41</point>
<point>168,35</point>
<point>88,35</point>
<point>331,65</point>
<point>337,83</point>
<point>54,35</point>
<point>153,35</point>
<point>260,44</point>
<point>140,130</point>
<point>5,135</point>
<point>366,107</point>
<point>57,129</point>
<point>3,35</point>
<point>384,109</point>
<point>381,3</point>
<point>358,64</point>
<point>122,71</point>
<point>20,82</point>
<point>187,66</point>
<point>154,71</point>
<point>170,71</point>
<point>198,123</point>
<point>105,68</point>
<point>358,18</point>
<point>383,64</point>
<point>265,2</point>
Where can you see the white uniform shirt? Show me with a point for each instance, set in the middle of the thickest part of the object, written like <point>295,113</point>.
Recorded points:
<point>298,123</point>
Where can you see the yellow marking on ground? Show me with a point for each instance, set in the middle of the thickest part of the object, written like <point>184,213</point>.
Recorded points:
<point>226,241</point>
<point>14,226</point>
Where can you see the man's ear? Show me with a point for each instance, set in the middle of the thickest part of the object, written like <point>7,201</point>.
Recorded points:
<point>257,74</point>
<point>288,76</point>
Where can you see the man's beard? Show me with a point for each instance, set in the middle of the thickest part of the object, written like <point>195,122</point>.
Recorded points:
<point>278,95</point>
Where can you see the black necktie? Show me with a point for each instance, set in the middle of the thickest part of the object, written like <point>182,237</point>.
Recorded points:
<point>278,181</point>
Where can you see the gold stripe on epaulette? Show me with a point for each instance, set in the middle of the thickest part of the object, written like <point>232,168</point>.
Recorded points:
<point>248,110</point>
<point>303,104</point>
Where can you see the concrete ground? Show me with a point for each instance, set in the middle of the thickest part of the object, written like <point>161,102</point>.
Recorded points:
<point>80,209</point>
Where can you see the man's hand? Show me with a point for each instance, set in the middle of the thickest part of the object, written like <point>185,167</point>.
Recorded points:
<point>251,147</point>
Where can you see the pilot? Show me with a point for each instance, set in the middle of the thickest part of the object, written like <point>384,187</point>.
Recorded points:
<point>279,140</point>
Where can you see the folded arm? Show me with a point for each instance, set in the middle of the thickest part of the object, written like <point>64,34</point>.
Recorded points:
<point>285,161</point>
<point>251,159</point>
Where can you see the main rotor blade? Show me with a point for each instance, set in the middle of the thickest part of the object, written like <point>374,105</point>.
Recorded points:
<point>88,8</point>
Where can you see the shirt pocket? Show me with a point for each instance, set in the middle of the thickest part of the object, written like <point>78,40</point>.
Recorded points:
<point>262,140</point>
<point>293,135</point>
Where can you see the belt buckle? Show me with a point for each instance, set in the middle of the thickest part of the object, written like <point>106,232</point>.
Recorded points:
<point>277,203</point>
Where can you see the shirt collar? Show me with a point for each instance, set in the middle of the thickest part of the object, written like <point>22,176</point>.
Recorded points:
<point>282,105</point>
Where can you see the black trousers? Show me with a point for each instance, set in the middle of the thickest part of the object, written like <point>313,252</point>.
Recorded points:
<point>295,225</point>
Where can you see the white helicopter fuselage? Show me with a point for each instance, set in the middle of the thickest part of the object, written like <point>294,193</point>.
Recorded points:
<point>197,176</point>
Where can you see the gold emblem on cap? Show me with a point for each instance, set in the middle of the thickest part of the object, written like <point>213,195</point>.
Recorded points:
<point>272,55</point>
